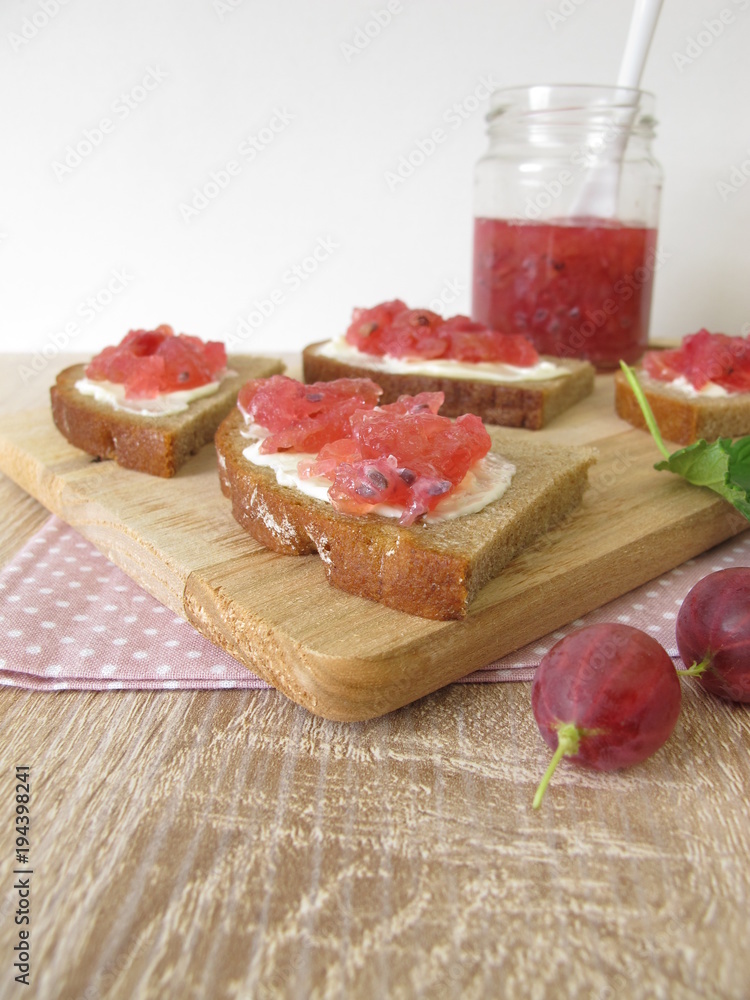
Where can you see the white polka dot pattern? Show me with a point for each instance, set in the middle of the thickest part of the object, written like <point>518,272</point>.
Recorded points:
<point>652,608</point>
<point>108,634</point>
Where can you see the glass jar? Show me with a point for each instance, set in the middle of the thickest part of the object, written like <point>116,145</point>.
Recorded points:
<point>566,213</point>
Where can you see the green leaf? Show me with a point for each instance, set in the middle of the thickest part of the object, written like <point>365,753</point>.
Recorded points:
<point>710,465</point>
<point>701,464</point>
<point>722,466</point>
<point>739,463</point>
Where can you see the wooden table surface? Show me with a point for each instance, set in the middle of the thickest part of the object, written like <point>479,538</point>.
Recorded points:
<point>229,844</point>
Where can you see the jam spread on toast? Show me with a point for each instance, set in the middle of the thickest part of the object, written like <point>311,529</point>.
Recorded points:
<point>403,455</point>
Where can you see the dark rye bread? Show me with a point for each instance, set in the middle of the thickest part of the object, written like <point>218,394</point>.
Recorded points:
<point>512,404</point>
<point>432,570</point>
<point>680,419</point>
<point>156,445</point>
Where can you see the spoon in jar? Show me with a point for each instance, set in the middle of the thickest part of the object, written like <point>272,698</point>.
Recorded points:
<point>598,195</point>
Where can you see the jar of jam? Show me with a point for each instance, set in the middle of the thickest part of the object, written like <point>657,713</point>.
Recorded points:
<point>566,212</point>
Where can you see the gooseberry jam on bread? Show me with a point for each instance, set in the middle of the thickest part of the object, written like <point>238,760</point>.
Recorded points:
<point>498,376</point>
<point>403,505</point>
<point>700,389</point>
<point>151,401</point>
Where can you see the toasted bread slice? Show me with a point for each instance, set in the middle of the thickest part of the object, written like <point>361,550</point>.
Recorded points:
<point>509,404</point>
<point>681,419</point>
<point>432,570</point>
<point>156,445</point>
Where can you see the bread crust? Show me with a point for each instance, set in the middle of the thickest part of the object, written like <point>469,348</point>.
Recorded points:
<point>512,404</point>
<point>680,419</point>
<point>155,445</point>
<point>432,570</point>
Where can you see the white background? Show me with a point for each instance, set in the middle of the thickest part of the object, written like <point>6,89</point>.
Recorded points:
<point>230,66</point>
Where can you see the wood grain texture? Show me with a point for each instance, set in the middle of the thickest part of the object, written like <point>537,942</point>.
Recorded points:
<point>341,656</point>
<point>23,512</point>
<point>231,845</point>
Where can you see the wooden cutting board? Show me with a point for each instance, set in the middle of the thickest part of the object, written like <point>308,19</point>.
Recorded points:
<point>340,656</point>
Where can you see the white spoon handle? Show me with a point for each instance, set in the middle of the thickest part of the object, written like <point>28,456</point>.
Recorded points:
<point>642,27</point>
<point>598,194</point>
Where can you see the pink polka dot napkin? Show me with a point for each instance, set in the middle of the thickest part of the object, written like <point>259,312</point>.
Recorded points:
<point>70,619</point>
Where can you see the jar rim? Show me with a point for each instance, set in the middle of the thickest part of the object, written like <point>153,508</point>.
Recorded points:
<point>539,98</point>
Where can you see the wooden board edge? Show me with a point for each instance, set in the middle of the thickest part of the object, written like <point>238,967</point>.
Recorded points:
<point>360,687</point>
<point>349,688</point>
<point>87,516</point>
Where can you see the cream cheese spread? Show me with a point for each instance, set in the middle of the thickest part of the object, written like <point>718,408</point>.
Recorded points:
<point>340,349</point>
<point>486,481</point>
<point>708,391</point>
<point>113,394</point>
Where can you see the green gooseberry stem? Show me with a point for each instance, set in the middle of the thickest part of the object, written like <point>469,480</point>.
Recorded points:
<point>648,413</point>
<point>568,741</point>
<point>697,668</point>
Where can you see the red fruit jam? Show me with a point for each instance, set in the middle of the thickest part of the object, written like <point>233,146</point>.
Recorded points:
<point>393,329</point>
<point>151,362</point>
<point>704,357</point>
<point>304,417</point>
<point>369,326</point>
<point>574,290</point>
<point>410,456</point>
<point>404,453</point>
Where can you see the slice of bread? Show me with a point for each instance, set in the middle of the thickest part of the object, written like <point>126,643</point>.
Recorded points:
<point>681,419</point>
<point>156,445</point>
<point>432,570</point>
<point>510,404</point>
